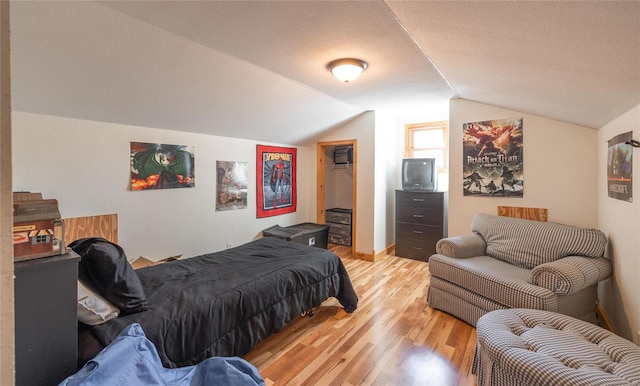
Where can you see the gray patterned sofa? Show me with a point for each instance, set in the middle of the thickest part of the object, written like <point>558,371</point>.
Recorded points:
<point>515,263</point>
<point>519,347</point>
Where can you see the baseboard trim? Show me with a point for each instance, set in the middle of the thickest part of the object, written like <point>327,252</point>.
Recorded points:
<point>365,256</point>
<point>391,249</point>
<point>374,256</point>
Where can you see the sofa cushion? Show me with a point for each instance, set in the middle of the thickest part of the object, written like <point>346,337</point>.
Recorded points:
<point>527,243</point>
<point>493,279</point>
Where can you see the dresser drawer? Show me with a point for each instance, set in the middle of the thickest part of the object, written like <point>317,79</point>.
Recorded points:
<point>426,216</point>
<point>340,229</point>
<point>339,239</point>
<point>337,217</point>
<point>408,231</point>
<point>418,199</point>
<point>420,249</point>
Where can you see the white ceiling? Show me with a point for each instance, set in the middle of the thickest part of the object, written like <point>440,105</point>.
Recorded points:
<point>256,69</point>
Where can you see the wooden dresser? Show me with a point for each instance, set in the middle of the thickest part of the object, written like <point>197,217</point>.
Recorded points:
<point>420,223</point>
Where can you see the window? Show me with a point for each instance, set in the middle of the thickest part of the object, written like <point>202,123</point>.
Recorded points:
<point>41,239</point>
<point>428,140</point>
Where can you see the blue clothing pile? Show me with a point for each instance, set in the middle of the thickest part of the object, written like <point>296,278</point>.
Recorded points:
<point>131,359</point>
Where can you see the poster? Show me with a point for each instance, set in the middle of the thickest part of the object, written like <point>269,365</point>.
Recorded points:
<point>493,162</point>
<point>231,186</point>
<point>619,167</point>
<point>160,166</point>
<point>275,180</point>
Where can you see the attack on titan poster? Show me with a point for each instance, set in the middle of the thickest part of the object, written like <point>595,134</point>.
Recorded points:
<point>493,163</point>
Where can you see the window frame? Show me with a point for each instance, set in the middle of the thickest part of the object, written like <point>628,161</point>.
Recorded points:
<point>410,149</point>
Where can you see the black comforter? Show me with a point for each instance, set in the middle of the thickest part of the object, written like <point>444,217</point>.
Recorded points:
<point>224,303</point>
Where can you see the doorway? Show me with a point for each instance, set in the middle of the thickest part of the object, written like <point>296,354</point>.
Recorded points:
<point>325,165</point>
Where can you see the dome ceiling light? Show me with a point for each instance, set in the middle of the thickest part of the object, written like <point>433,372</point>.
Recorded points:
<point>347,70</point>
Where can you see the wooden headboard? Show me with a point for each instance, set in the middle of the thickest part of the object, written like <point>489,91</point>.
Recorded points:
<point>105,226</point>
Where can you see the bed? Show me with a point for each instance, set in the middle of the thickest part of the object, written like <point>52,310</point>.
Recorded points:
<point>218,304</point>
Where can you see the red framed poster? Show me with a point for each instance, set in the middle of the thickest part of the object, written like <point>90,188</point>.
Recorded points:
<point>276,180</point>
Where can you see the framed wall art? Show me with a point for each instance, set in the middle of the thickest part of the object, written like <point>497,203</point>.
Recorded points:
<point>275,180</point>
<point>493,158</point>
<point>620,167</point>
<point>161,166</point>
<point>231,188</point>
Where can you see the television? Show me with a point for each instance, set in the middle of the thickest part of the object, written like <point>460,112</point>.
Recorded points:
<point>419,174</point>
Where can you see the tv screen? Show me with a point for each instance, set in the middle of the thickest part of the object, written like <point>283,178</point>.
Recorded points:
<point>419,174</point>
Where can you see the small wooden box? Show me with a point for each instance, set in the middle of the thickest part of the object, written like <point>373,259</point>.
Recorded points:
<point>34,223</point>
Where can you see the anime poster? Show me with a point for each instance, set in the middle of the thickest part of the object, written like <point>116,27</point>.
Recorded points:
<point>619,167</point>
<point>160,166</point>
<point>276,180</point>
<point>493,163</point>
<point>231,189</point>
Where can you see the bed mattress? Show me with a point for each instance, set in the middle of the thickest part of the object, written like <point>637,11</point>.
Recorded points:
<point>224,303</point>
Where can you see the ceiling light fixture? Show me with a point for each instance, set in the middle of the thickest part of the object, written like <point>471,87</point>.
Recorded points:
<point>347,70</point>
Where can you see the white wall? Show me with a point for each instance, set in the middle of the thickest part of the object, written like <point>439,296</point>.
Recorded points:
<point>341,193</point>
<point>560,169</point>
<point>620,220</point>
<point>338,183</point>
<point>85,165</point>
<point>386,127</point>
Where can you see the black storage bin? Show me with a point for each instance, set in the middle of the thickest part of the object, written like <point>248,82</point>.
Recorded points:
<point>316,235</point>
<point>339,220</point>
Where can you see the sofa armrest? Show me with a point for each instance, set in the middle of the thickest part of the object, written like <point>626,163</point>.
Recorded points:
<point>461,247</point>
<point>570,274</point>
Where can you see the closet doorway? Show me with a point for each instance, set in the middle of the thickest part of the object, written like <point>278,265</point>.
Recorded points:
<point>336,185</point>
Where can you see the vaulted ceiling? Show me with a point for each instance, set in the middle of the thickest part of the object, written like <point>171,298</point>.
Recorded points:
<point>257,69</point>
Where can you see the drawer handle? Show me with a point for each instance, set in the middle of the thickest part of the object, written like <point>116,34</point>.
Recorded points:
<point>417,248</point>
<point>418,199</point>
<point>418,215</point>
<point>418,232</point>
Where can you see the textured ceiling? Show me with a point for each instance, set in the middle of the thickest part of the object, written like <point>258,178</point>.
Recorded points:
<point>256,70</point>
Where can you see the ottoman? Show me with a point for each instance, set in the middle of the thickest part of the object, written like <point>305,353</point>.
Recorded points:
<point>532,347</point>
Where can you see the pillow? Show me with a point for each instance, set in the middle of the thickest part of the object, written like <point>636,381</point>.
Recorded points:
<point>93,309</point>
<point>104,265</point>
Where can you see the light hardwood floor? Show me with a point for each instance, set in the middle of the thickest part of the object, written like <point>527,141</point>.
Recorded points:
<point>393,338</point>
